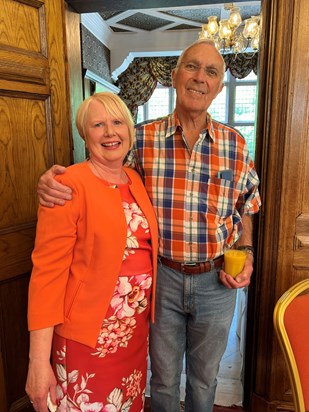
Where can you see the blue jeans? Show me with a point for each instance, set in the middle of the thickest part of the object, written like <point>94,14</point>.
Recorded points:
<point>193,316</point>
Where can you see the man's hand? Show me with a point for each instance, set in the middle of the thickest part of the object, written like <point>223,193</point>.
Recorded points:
<point>242,279</point>
<point>50,191</point>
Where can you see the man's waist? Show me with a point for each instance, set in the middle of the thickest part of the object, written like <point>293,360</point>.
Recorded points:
<point>193,268</point>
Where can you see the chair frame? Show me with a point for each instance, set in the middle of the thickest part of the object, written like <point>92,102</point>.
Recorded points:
<point>278,318</point>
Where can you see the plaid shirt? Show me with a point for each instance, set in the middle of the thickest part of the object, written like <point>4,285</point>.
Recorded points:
<point>199,196</point>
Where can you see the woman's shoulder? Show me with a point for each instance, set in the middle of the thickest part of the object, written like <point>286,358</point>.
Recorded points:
<point>76,173</point>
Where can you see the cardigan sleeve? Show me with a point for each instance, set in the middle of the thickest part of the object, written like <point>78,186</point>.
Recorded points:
<point>52,256</point>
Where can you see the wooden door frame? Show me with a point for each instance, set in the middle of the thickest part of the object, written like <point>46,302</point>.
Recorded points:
<point>277,109</point>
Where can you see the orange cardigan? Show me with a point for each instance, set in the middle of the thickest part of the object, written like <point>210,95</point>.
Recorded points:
<point>78,254</point>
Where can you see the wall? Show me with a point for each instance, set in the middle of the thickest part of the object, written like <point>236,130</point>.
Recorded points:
<point>95,55</point>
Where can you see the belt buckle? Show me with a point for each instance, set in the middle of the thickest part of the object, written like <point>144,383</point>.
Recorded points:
<point>184,264</point>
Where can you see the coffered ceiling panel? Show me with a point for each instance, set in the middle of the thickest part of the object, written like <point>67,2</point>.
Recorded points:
<point>155,15</point>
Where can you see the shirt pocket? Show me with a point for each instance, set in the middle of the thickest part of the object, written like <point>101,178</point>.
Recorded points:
<point>221,196</point>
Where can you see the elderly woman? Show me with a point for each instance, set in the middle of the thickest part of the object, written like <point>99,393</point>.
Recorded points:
<point>94,267</point>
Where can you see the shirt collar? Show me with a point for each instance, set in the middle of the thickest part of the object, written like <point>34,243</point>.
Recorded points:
<point>210,128</point>
<point>174,123</point>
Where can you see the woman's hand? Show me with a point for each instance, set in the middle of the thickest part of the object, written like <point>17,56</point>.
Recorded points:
<point>40,381</point>
<point>50,191</point>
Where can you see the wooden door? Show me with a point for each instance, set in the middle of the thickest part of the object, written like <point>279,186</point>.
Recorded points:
<point>34,134</point>
<point>283,164</point>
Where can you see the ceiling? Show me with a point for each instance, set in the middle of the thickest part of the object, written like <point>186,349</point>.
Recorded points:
<point>160,15</point>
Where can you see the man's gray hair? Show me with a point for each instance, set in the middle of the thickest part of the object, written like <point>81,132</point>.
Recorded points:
<point>201,41</point>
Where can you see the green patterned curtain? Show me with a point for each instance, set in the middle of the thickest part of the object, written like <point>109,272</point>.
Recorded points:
<point>140,79</point>
<point>240,65</point>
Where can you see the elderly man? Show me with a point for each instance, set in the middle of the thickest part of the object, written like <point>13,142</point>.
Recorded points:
<point>204,189</point>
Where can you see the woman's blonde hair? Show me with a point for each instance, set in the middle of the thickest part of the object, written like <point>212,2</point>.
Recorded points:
<point>113,105</point>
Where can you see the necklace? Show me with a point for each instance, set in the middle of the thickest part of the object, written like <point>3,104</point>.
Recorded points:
<point>122,180</point>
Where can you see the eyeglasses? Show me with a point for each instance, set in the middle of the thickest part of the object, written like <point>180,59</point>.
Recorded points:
<point>210,71</point>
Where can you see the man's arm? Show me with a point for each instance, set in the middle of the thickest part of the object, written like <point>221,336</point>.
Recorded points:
<point>246,236</point>
<point>50,191</point>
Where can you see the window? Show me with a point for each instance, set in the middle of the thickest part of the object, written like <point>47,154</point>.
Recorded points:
<point>161,103</point>
<point>235,105</point>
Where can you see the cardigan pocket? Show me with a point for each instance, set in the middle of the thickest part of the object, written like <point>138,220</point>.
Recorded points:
<point>72,293</point>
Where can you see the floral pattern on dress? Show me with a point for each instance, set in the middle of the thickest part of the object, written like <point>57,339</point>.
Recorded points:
<point>129,297</point>
<point>135,218</point>
<point>119,400</point>
<point>128,300</point>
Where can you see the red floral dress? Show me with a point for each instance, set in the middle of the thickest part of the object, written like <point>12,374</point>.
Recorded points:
<point>112,377</point>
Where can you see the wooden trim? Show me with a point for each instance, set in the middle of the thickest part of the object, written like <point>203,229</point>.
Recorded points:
<point>282,155</point>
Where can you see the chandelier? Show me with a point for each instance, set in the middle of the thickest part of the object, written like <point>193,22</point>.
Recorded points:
<point>233,35</point>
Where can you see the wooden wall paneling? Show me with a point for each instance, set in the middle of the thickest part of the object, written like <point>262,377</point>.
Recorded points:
<point>35,133</point>
<point>299,130</point>
<point>301,237</point>
<point>272,101</point>
<point>283,164</point>
<point>13,296</point>
<point>61,113</point>
<point>293,262</point>
<point>74,56</point>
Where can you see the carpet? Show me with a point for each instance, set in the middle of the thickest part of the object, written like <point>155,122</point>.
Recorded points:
<point>216,407</point>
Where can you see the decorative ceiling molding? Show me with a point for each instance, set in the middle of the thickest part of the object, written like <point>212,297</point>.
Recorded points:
<point>139,28</point>
<point>90,6</point>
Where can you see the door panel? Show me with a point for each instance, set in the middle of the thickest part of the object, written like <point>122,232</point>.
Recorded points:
<point>35,133</point>
<point>283,232</point>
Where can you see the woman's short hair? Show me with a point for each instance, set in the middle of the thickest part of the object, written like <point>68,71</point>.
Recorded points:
<point>113,105</point>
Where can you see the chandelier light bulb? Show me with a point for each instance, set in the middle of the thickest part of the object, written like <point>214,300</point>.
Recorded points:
<point>203,34</point>
<point>225,31</point>
<point>235,17</point>
<point>212,26</point>
<point>251,27</point>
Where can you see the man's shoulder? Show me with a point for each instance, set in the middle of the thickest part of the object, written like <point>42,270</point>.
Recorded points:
<point>224,127</point>
<point>153,122</point>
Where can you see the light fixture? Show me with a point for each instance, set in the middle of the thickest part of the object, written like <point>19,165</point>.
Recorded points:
<point>233,35</point>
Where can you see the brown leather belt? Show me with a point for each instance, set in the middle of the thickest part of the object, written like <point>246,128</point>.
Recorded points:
<point>193,268</point>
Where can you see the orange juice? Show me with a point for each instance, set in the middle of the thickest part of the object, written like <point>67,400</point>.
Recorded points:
<point>234,261</point>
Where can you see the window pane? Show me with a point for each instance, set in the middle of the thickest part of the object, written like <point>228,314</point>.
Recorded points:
<point>249,134</point>
<point>158,104</point>
<point>245,102</point>
<point>218,108</point>
<point>140,114</point>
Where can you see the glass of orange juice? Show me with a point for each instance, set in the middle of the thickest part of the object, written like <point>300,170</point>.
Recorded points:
<point>234,261</point>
